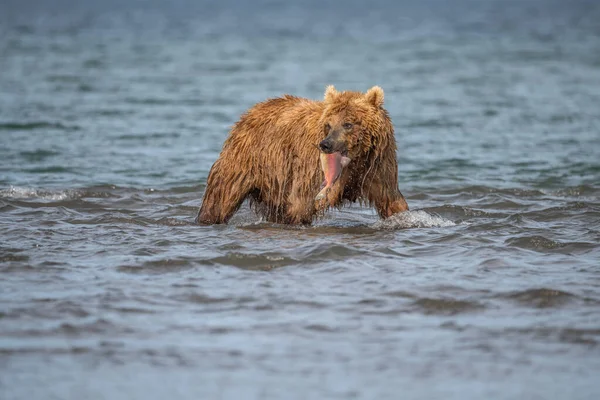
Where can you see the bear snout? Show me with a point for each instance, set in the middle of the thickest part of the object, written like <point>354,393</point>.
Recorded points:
<point>326,146</point>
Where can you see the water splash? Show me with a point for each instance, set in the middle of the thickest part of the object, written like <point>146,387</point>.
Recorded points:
<point>413,219</point>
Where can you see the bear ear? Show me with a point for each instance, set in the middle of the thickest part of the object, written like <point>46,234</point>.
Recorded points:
<point>330,93</point>
<point>375,96</point>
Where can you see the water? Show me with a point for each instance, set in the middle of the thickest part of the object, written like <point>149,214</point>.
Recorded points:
<point>112,114</point>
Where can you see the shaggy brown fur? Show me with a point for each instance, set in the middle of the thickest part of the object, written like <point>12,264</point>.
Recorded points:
<point>272,157</point>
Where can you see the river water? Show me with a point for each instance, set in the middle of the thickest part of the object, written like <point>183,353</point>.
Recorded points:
<point>111,115</point>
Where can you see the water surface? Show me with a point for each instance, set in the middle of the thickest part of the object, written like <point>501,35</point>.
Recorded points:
<point>112,114</point>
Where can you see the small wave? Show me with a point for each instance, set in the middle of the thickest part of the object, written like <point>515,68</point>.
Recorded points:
<point>534,243</point>
<point>148,136</point>
<point>434,123</point>
<point>95,326</point>
<point>576,191</point>
<point>38,155</point>
<point>413,219</point>
<point>154,101</point>
<point>29,126</point>
<point>11,257</point>
<point>460,212</point>
<point>331,251</point>
<point>481,190</point>
<point>258,262</point>
<point>201,298</point>
<point>52,169</point>
<point>446,306</point>
<point>162,266</point>
<point>169,221</point>
<point>16,192</point>
<point>541,297</point>
<point>541,244</point>
<point>21,192</point>
<point>570,335</point>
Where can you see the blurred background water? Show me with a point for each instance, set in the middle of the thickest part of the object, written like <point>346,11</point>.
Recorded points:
<point>112,113</point>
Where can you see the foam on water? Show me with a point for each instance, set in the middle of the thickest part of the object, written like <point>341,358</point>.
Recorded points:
<point>413,219</point>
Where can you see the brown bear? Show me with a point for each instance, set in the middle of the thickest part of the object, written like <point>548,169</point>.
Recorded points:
<point>294,158</point>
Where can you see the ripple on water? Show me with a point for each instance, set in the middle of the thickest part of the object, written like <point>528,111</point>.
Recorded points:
<point>11,255</point>
<point>461,212</point>
<point>540,297</point>
<point>579,336</point>
<point>16,192</point>
<point>167,221</point>
<point>330,252</point>
<point>29,126</point>
<point>577,191</point>
<point>21,192</point>
<point>38,155</point>
<point>84,327</point>
<point>48,309</point>
<point>163,266</point>
<point>201,298</point>
<point>482,191</point>
<point>258,262</point>
<point>446,306</point>
<point>541,244</point>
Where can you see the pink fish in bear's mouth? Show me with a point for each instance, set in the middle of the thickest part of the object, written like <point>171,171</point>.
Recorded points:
<point>332,165</point>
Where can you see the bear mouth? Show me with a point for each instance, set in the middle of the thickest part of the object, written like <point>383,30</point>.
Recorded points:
<point>332,165</point>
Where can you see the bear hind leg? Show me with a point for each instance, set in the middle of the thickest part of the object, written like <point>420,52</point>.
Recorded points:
<point>225,192</point>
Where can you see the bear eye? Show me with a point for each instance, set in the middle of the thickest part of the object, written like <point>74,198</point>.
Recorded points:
<point>347,126</point>
<point>327,127</point>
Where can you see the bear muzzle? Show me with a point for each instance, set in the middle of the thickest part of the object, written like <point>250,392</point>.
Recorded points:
<point>331,145</point>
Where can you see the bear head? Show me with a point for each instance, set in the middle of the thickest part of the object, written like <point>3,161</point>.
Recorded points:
<point>356,130</point>
<point>352,122</point>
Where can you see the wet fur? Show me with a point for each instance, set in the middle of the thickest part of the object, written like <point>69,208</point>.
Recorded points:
<point>271,156</point>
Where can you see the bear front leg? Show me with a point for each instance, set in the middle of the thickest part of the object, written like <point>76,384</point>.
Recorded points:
<point>387,199</point>
<point>386,209</point>
<point>332,198</point>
